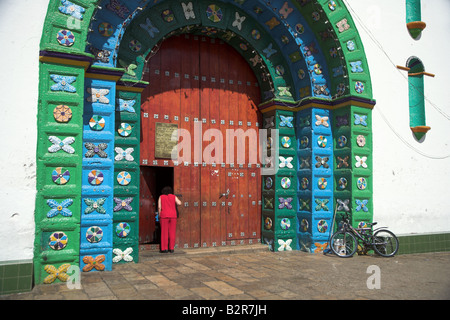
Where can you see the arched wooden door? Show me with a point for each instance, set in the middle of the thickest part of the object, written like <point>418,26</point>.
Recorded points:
<point>199,80</point>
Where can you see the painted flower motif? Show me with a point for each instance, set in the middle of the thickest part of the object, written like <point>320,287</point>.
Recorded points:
<point>320,247</point>
<point>351,45</point>
<point>238,21</point>
<point>286,142</point>
<point>342,183</point>
<point>285,10</point>
<point>285,203</point>
<point>123,255</point>
<point>59,273</point>
<point>343,205</point>
<point>148,26</point>
<point>72,9</point>
<point>361,205</point>
<point>341,121</point>
<point>359,87</point>
<point>124,178</point>
<point>269,183</point>
<point>322,183</point>
<point>94,234</point>
<point>268,122</point>
<point>105,29</point>
<point>268,203</point>
<point>304,225</point>
<point>93,205</point>
<point>322,204</point>
<point>360,162</point>
<point>322,121</point>
<point>322,141</point>
<point>124,154</point>
<point>343,25</point>
<point>286,162</point>
<point>63,83</point>
<point>125,130</point>
<point>343,162</point>
<point>62,114</point>
<point>101,55</point>
<point>96,150</point>
<point>304,183</point>
<point>59,208</point>
<point>322,226</point>
<point>360,120</point>
<point>342,141</point>
<point>304,204</point>
<point>118,8</point>
<point>284,245</point>
<point>65,38</point>
<point>123,229</point>
<point>58,240</point>
<point>269,51</point>
<point>97,123</point>
<point>317,68</point>
<point>135,45</point>
<point>126,105</point>
<point>188,11</point>
<point>98,95</point>
<point>285,224</point>
<point>322,162</point>
<point>285,183</point>
<point>286,121</point>
<point>95,177</point>
<point>305,163</point>
<point>123,204</point>
<point>60,176</point>
<point>361,140</point>
<point>268,223</point>
<point>168,15</point>
<point>361,183</point>
<point>58,144</point>
<point>94,263</point>
<point>284,91</point>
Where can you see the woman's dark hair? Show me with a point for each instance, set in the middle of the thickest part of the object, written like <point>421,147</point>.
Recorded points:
<point>167,190</point>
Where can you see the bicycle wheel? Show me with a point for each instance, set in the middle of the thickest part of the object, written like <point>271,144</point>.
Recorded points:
<point>343,244</point>
<point>385,243</point>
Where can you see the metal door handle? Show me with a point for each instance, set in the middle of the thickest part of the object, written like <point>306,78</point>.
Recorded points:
<point>225,194</point>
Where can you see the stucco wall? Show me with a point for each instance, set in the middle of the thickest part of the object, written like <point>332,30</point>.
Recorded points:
<point>20,33</point>
<point>410,192</point>
<point>410,181</point>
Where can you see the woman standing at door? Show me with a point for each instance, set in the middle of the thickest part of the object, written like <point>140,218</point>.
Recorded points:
<point>167,209</point>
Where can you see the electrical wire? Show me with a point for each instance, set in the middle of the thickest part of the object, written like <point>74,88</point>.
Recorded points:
<point>372,37</point>
<point>378,44</point>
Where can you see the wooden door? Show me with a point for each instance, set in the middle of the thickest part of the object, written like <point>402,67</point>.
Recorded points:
<point>195,81</point>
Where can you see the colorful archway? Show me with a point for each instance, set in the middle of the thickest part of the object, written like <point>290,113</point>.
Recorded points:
<point>314,81</point>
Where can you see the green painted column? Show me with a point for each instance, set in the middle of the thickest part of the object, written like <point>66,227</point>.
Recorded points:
<point>127,173</point>
<point>353,163</point>
<point>279,190</point>
<point>59,154</point>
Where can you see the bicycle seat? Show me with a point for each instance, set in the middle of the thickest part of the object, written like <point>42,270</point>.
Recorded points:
<point>372,224</point>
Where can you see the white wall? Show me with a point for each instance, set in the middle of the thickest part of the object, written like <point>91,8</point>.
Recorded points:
<point>21,26</point>
<point>411,192</point>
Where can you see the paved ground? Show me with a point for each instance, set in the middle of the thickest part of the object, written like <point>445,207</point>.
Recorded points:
<point>253,273</point>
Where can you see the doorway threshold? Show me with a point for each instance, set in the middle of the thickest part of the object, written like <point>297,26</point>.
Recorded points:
<point>147,252</point>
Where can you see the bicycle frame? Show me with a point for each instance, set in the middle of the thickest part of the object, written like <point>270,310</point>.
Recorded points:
<point>366,238</point>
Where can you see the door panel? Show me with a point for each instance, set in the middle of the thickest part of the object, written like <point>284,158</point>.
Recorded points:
<point>195,77</point>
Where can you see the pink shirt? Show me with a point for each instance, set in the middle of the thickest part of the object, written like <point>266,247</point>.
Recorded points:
<point>168,206</point>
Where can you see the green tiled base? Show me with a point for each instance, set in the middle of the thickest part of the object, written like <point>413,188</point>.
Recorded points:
<point>420,243</point>
<point>16,276</point>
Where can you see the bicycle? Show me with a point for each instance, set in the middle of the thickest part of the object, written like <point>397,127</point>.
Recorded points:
<point>344,242</point>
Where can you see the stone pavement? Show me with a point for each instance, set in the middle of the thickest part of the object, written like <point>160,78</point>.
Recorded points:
<point>254,273</point>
